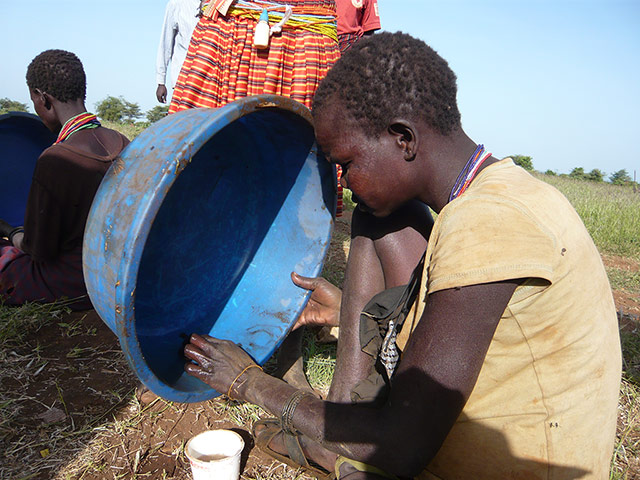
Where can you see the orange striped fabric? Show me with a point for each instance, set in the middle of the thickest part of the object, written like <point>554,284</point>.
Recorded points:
<point>222,65</point>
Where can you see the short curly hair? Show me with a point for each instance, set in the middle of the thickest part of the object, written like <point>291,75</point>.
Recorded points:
<point>58,73</point>
<point>388,75</point>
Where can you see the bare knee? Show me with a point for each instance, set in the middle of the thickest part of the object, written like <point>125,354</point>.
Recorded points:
<point>399,240</point>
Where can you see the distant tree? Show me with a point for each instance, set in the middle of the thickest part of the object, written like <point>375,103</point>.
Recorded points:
<point>621,177</point>
<point>550,172</point>
<point>7,106</point>
<point>117,109</point>
<point>523,161</point>
<point>157,113</point>
<point>578,173</point>
<point>595,175</point>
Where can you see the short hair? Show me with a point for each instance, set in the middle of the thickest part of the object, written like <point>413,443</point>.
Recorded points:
<point>58,73</point>
<point>388,75</point>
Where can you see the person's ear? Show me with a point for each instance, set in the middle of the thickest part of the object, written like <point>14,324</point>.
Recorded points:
<point>405,137</point>
<point>47,102</point>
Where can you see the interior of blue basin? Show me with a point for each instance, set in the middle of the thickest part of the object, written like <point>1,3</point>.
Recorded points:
<point>23,137</point>
<point>254,204</point>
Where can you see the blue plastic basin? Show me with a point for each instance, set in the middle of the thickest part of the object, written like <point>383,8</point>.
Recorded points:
<point>196,228</point>
<point>23,137</point>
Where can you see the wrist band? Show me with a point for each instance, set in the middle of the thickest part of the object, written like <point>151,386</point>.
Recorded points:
<point>14,232</point>
<point>286,417</point>
<point>253,365</point>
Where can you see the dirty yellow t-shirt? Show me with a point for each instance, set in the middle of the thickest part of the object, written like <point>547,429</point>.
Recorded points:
<point>545,403</point>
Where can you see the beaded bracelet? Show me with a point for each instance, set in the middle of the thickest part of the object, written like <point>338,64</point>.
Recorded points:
<point>253,365</point>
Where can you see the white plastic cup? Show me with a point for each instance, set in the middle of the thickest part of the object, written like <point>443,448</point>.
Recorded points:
<point>215,454</point>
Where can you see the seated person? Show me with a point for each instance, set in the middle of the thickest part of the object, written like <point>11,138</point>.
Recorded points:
<point>508,362</point>
<point>42,261</point>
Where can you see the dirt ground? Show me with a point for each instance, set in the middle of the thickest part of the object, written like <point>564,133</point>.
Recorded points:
<point>79,411</point>
<point>626,302</point>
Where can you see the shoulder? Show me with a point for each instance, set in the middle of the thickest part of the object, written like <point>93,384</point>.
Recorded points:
<point>171,9</point>
<point>493,232</point>
<point>52,156</point>
<point>501,199</point>
<point>115,136</point>
<point>53,166</point>
<point>492,220</point>
<point>101,144</point>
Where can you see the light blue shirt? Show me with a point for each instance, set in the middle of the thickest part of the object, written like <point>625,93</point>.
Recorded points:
<point>179,21</point>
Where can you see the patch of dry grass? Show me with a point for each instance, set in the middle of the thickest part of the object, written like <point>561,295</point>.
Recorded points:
<point>117,441</point>
<point>626,459</point>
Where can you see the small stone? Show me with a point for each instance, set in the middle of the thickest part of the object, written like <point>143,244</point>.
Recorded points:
<point>53,415</point>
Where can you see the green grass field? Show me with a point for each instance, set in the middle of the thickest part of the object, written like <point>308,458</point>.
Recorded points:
<point>611,213</point>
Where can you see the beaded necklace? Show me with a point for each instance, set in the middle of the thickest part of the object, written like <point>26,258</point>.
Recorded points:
<point>469,172</point>
<point>76,123</point>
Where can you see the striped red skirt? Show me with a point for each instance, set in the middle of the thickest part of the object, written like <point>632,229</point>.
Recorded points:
<point>222,65</point>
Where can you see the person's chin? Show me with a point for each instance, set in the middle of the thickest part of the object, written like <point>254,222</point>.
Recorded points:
<point>370,211</point>
<point>363,208</point>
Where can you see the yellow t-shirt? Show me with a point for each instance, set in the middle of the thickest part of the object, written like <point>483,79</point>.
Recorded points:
<point>545,403</point>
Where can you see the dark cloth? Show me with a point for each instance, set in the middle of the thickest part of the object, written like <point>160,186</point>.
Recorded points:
<point>49,267</point>
<point>380,321</point>
<point>347,40</point>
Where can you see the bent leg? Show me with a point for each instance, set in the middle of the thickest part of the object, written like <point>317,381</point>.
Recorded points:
<point>289,362</point>
<point>383,254</point>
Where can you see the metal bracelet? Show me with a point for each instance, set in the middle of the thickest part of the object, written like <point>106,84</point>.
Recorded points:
<point>286,417</point>
<point>14,232</point>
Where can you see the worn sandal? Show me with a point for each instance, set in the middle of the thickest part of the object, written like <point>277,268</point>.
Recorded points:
<point>296,458</point>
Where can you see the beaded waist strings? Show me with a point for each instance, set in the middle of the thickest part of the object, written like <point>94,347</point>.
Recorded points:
<point>76,123</point>
<point>319,19</point>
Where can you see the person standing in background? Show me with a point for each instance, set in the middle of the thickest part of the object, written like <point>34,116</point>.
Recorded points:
<point>224,63</point>
<point>228,60</point>
<point>356,18</point>
<point>180,18</point>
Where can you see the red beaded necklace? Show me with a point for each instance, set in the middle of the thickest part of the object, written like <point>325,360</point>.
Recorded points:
<point>469,171</point>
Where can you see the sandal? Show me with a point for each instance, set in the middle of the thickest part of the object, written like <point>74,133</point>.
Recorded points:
<point>296,458</point>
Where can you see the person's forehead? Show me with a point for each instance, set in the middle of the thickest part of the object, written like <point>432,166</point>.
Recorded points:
<point>333,128</point>
<point>334,116</point>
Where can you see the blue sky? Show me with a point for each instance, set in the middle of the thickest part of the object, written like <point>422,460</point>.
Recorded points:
<point>556,80</point>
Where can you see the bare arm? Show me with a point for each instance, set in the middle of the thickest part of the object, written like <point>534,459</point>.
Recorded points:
<point>437,373</point>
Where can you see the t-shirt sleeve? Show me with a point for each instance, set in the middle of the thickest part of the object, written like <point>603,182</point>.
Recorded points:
<point>482,239</point>
<point>371,16</point>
